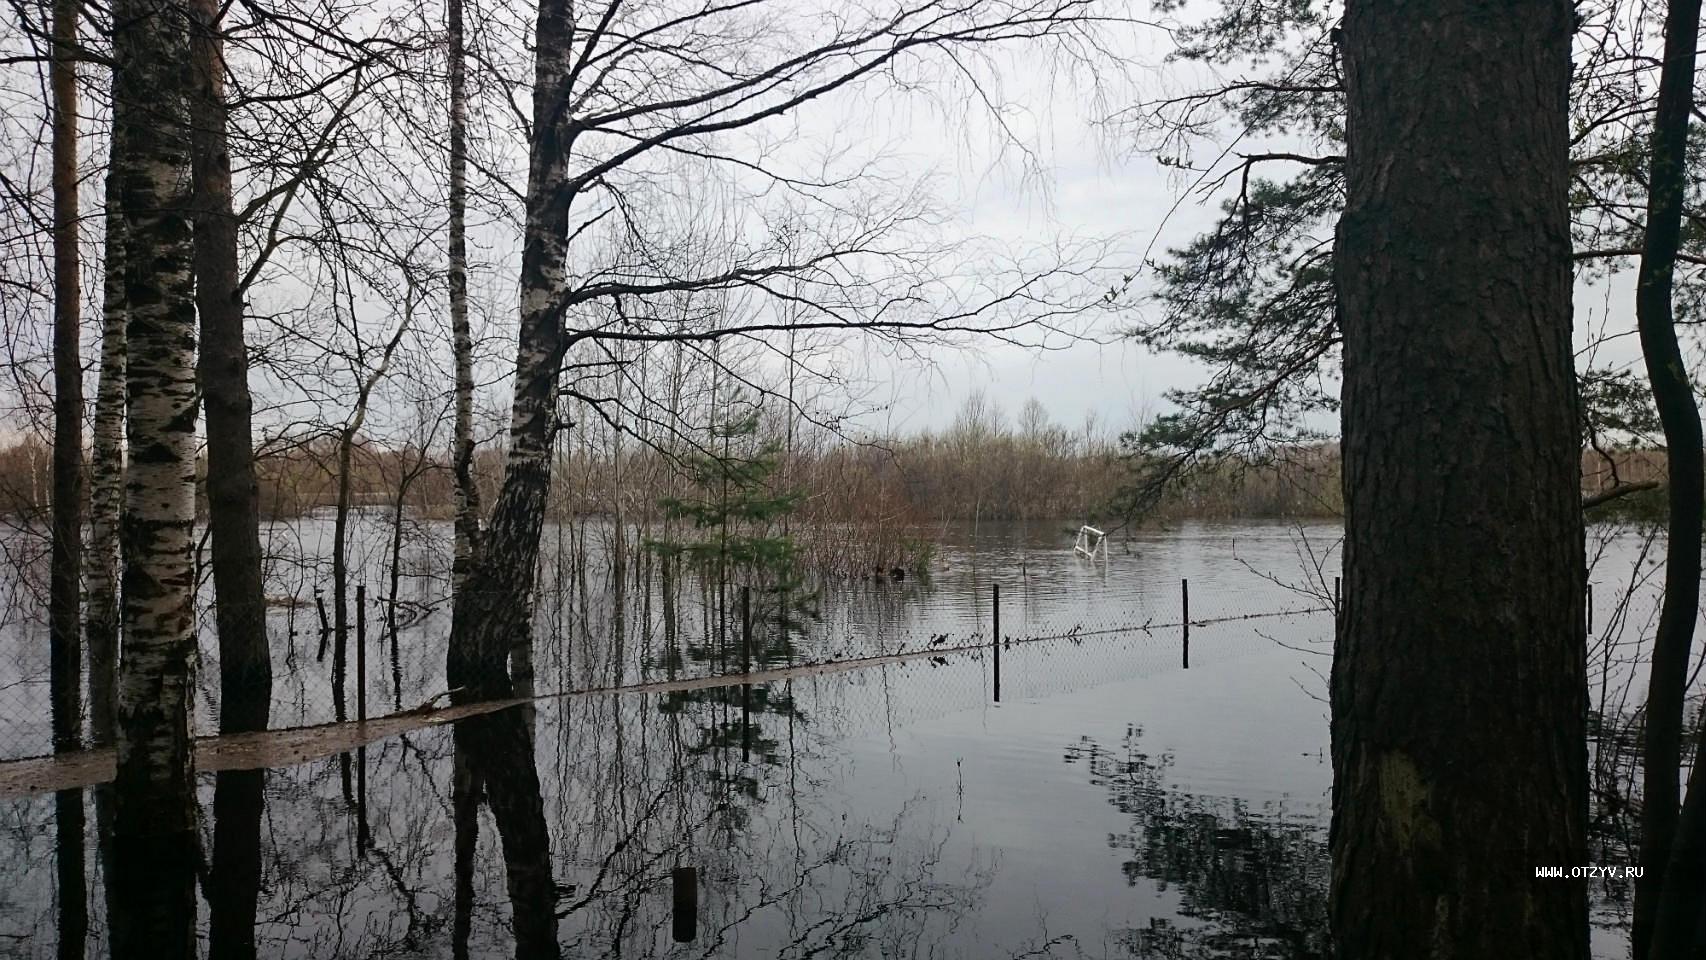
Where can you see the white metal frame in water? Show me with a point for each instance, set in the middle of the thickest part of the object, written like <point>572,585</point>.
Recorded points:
<point>1092,543</point>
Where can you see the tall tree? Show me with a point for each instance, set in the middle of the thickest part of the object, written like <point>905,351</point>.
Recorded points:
<point>106,471</point>
<point>154,842</point>
<point>245,664</point>
<point>1673,396</point>
<point>64,599</point>
<point>65,636</point>
<point>1459,679</point>
<point>462,454</point>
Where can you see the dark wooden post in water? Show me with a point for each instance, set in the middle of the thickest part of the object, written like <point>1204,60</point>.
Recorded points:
<point>361,652</point>
<point>745,669</point>
<point>996,593</point>
<point>363,838</point>
<point>1590,608</point>
<point>684,923</point>
<point>325,627</point>
<point>1185,617</point>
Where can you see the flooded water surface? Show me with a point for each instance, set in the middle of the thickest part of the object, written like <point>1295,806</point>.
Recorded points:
<point>1113,803</point>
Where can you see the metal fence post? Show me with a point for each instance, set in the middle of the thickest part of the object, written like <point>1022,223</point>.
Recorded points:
<point>745,670</point>
<point>1185,608</point>
<point>684,922</point>
<point>361,652</point>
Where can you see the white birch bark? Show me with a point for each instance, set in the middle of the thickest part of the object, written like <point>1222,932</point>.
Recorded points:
<point>154,826</point>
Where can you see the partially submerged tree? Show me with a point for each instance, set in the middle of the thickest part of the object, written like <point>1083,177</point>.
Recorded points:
<point>245,663</point>
<point>1254,296</point>
<point>462,337</point>
<point>155,822</point>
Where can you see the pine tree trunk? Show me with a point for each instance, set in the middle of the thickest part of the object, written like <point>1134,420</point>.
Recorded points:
<point>65,631</point>
<point>106,472</point>
<point>1459,680</point>
<point>467,494</point>
<point>495,612</point>
<point>155,844</point>
<point>233,496</point>
<point>1673,395</point>
<point>64,590</point>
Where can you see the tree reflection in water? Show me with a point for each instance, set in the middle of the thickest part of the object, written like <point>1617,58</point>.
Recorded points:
<point>556,832</point>
<point>556,835</point>
<point>1251,883</point>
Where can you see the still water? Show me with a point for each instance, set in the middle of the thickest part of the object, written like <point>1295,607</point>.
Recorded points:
<point>1112,804</point>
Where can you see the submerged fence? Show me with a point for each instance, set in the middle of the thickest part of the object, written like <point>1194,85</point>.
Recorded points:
<point>391,658</point>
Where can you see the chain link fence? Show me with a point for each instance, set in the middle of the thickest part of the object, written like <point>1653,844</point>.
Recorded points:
<point>608,620</point>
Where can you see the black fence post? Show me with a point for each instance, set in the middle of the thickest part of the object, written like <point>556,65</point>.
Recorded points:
<point>363,836</point>
<point>325,626</point>
<point>684,924</point>
<point>996,593</point>
<point>1185,607</point>
<point>361,652</point>
<point>1590,608</point>
<point>745,670</point>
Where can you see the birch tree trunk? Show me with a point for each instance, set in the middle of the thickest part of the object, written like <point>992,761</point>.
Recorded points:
<point>1459,675</point>
<point>467,494</point>
<point>245,664</point>
<point>495,612</point>
<point>106,496</point>
<point>65,631</point>
<point>106,473</point>
<point>155,844</point>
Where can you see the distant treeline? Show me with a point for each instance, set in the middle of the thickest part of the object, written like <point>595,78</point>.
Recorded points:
<point>1045,472</point>
<point>906,481</point>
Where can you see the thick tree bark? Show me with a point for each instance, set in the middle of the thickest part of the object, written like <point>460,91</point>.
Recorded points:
<point>65,631</point>
<point>495,612</point>
<point>106,470</point>
<point>233,496</point>
<point>1459,680</point>
<point>1673,395</point>
<point>155,846</point>
<point>467,494</point>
